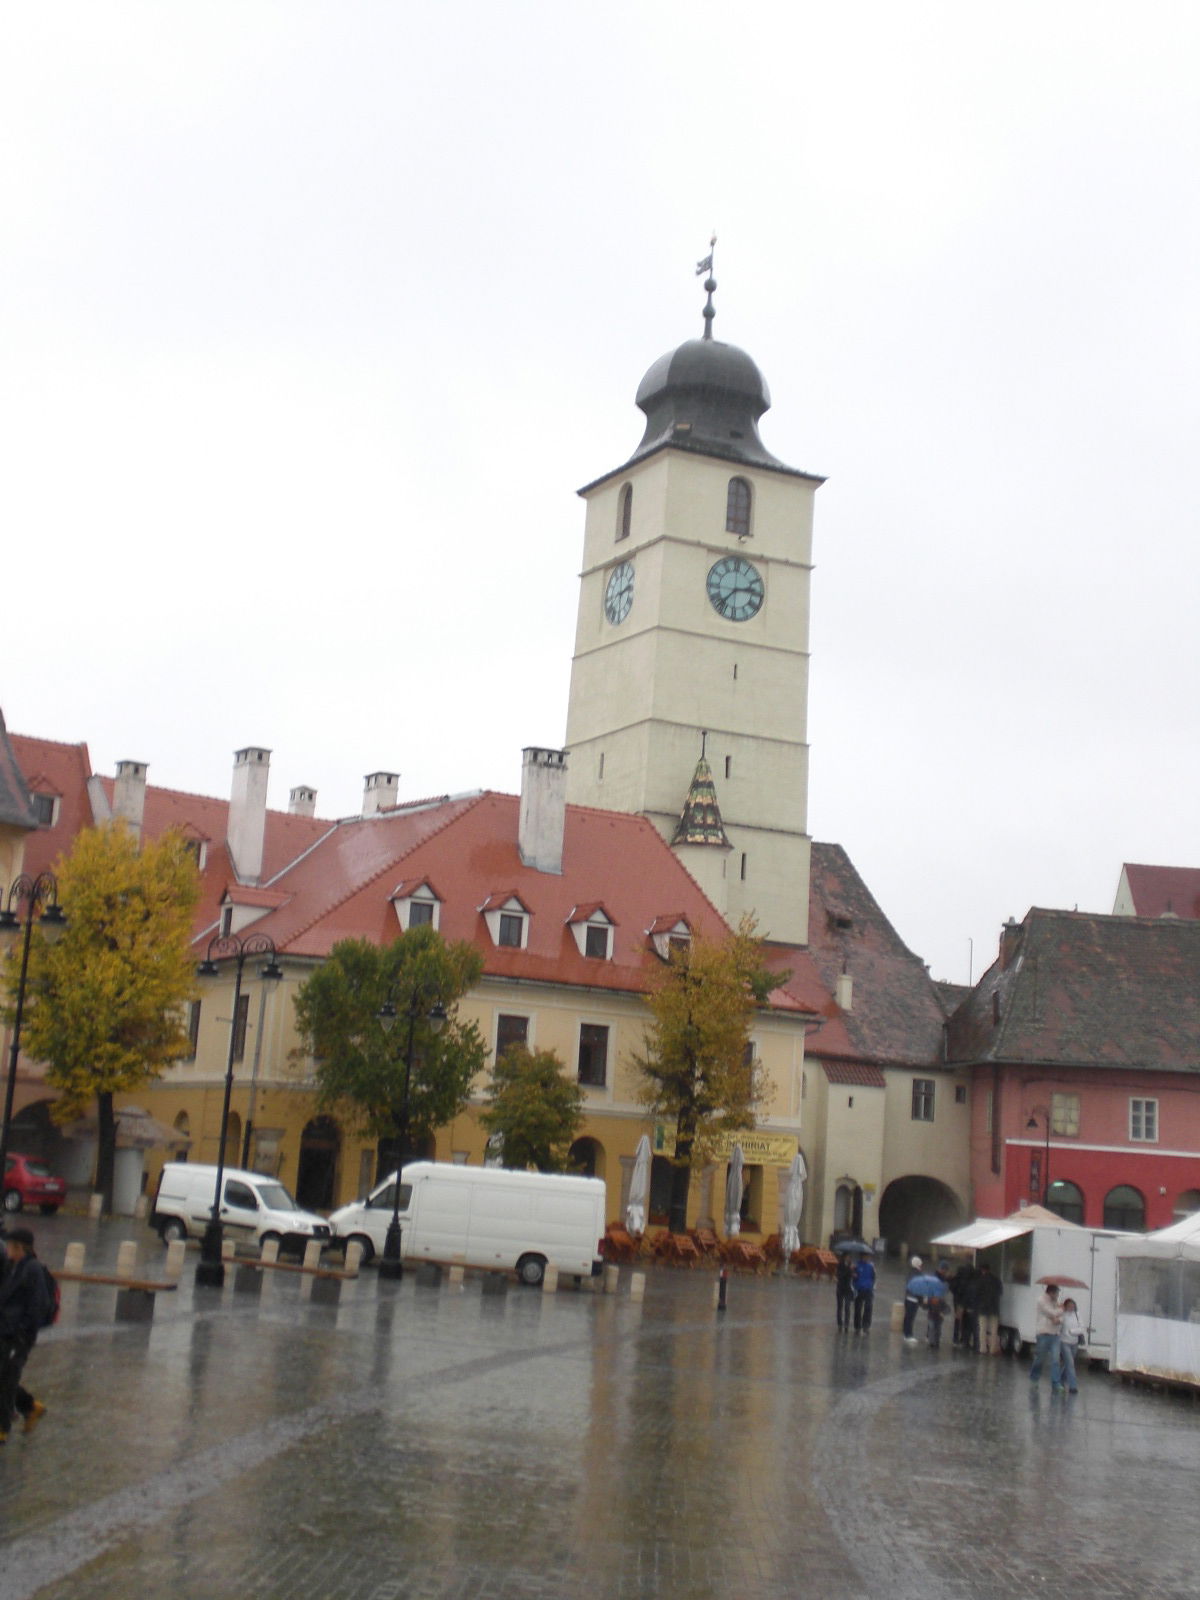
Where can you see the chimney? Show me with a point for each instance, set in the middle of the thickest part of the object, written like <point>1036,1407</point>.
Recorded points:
<point>302,801</point>
<point>380,792</point>
<point>1010,943</point>
<point>543,808</point>
<point>129,794</point>
<point>844,994</point>
<point>248,812</point>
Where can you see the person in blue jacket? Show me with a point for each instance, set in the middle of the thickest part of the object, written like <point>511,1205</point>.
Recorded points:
<point>864,1294</point>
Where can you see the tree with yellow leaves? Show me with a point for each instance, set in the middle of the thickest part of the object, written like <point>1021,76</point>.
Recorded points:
<point>104,1006</point>
<point>694,1064</point>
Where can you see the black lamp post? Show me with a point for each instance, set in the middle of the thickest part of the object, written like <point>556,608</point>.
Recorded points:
<point>390,1263</point>
<point>39,897</point>
<point>1031,1125</point>
<point>210,1272</point>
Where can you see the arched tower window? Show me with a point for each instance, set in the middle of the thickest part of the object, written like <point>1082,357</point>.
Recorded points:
<point>737,508</point>
<point>624,511</point>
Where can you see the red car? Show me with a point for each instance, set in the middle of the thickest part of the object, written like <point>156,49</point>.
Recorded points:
<point>28,1181</point>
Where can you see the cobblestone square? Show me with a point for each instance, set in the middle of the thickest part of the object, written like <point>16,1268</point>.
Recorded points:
<point>435,1443</point>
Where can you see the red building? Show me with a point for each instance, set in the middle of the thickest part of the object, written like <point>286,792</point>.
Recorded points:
<point>1083,1041</point>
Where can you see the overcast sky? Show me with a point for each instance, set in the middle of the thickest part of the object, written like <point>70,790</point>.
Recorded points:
<point>313,317</point>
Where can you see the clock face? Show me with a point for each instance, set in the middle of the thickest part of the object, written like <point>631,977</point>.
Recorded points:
<point>735,588</point>
<point>618,593</point>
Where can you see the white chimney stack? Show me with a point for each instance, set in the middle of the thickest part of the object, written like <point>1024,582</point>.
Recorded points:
<point>543,808</point>
<point>380,792</point>
<point>302,801</point>
<point>129,794</point>
<point>845,991</point>
<point>248,812</point>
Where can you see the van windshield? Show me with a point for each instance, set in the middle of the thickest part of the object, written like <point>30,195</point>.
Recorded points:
<point>385,1199</point>
<point>276,1198</point>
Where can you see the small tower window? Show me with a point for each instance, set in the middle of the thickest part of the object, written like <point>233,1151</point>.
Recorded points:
<point>625,511</point>
<point>737,508</point>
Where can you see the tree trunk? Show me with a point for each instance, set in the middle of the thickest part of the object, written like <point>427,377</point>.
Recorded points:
<point>106,1151</point>
<point>681,1182</point>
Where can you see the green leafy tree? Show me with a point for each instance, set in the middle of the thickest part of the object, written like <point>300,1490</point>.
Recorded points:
<point>693,1064</point>
<point>105,1001</point>
<point>534,1108</point>
<point>360,1069</point>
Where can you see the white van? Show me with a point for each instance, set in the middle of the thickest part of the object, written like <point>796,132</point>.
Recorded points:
<point>485,1217</point>
<point>254,1209</point>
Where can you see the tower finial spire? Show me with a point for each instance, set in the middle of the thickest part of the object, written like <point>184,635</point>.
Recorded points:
<point>710,284</point>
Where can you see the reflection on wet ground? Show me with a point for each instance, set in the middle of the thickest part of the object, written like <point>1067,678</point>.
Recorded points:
<point>436,1442</point>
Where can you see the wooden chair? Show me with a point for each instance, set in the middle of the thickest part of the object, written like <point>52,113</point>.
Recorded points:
<point>619,1246</point>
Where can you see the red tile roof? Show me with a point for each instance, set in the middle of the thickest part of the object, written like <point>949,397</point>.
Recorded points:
<point>1164,891</point>
<point>855,1072</point>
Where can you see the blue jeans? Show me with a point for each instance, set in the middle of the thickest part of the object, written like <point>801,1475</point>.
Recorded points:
<point>1049,1348</point>
<point>1064,1373</point>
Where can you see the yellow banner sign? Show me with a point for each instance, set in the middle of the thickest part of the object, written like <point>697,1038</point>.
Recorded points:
<point>758,1149</point>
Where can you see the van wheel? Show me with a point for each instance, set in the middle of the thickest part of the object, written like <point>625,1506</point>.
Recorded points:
<point>12,1200</point>
<point>531,1270</point>
<point>171,1230</point>
<point>368,1249</point>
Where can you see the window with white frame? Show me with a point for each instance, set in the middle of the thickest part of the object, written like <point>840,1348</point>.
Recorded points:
<point>593,1054</point>
<point>507,921</point>
<point>417,905</point>
<point>1064,1115</point>
<point>922,1099</point>
<point>1143,1121</point>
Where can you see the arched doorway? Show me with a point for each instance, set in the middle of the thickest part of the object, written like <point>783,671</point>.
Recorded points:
<point>1065,1200</point>
<point>1125,1208</point>
<point>316,1173</point>
<point>1186,1205</point>
<point>914,1210</point>
<point>586,1157</point>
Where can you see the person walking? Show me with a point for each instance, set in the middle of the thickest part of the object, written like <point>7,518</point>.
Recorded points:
<point>1048,1324</point>
<point>844,1283</point>
<point>864,1293</point>
<point>1071,1340</point>
<point>988,1290</point>
<point>912,1301</point>
<point>24,1308</point>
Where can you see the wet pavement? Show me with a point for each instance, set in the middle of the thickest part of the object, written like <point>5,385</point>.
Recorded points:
<point>437,1443</point>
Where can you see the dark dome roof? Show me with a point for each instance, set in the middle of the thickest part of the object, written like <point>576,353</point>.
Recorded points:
<point>705,396</point>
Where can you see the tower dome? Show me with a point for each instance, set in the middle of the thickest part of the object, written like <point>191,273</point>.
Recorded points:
<point>705,396</point>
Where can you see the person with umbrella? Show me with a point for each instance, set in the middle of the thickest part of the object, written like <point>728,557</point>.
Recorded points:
<point>864,1293</point>
<point>912,1301</point>
<point>1071,1340</point>
<point>1048,1324</point>
<point>844,1284</point>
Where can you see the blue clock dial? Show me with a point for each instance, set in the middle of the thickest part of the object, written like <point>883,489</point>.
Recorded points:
<point>618,592</point>
<point>735,588</point>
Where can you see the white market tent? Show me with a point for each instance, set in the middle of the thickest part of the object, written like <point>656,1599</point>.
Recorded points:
<point>1157,1332</point>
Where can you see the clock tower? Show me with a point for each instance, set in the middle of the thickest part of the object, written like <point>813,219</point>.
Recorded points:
<point>689,685</point>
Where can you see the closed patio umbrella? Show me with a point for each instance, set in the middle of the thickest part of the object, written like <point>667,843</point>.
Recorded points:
<point>793,1206</point>
<point>733,1193</point>
<point>639,1188</point>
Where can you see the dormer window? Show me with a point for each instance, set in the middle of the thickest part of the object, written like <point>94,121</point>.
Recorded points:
<point>737,508</point>
<point>507,920</point>
<point>45,809</point>
<point>417,903</point>
<point>667,934</point>
<point>593,930</point>
<point>625,511</point>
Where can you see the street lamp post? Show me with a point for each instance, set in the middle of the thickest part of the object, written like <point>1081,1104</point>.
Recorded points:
<point>1031,1125</point>
<point>36,895</point>
<point>210,1272</point>
<point>390,1263</point>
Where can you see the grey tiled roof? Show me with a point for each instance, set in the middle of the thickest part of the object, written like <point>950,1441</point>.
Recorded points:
<point>1075,988</point>
<point>16,808</point>
<point>896,1015</point>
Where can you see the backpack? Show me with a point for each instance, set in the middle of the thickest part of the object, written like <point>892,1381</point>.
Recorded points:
<point>51,1298</point>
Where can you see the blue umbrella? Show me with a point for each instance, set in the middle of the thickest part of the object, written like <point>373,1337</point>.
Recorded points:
<point>927,1283</point>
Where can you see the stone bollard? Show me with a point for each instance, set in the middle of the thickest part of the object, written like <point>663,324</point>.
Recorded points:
<point>550,1279</point>
<point>176,1250</point>
<point>228,1249</point>
<point>74,1258</point>
<point>457,1274</point>
<point>637,1286</point>
<point>612,1277</point>
<point>270,1250</point>
<point>896,1321</point>
<point>141,1207</point>
<point>95,1206</point>
<point>353,1258</point>
<point>312,1253</point>
<point>127,1259</point>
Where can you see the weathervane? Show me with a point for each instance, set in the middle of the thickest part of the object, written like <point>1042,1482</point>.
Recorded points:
<point>710,283</point>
